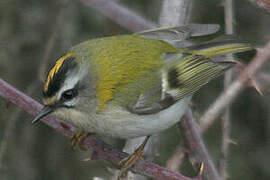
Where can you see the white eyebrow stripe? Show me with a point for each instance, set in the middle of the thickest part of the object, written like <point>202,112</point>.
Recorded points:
<point>70,82</point>
<point>66,86</point>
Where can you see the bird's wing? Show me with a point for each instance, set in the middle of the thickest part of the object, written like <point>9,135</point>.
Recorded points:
<point>188,71</point>
<point>179,33</point>
<point>191,73</point>
<point>191,69</point>
<point>182,80</point>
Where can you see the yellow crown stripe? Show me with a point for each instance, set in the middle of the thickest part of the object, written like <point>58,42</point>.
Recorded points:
<point>55,69</point>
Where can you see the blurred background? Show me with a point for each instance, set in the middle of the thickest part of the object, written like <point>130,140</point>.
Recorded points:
<point>34,33</point>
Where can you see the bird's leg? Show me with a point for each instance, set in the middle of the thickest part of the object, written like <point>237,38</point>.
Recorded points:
<point>131,159</point>
<point>77,139</point>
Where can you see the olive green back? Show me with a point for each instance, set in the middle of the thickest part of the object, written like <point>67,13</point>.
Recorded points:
<point>123,67</point>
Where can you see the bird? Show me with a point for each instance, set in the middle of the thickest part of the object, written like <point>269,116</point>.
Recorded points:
<point>133,85</point>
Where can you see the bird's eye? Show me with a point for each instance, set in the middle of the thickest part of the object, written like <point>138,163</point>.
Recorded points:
<point>69,94</point>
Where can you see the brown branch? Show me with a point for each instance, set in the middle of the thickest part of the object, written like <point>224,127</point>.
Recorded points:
<point>235,88</point>
<point>100,149</point>
<point>196,146</point>
<point>119,14</point>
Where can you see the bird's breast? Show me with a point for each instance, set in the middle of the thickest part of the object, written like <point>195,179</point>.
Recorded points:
<point>118,122</point>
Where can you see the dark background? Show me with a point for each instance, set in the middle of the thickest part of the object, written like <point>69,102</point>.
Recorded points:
<point>38,152</point>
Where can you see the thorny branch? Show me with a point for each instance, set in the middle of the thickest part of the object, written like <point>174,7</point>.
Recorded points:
<point>101,150</point>
<point>228,95</point>
<point>262,56</point>
<point>196,146</point>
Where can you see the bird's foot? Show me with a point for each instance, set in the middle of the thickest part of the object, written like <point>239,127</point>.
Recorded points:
<point>131,159</point>
<point>77,139</point>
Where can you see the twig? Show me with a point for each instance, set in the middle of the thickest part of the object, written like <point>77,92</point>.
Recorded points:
<point>195,144</point>
<point>119,14</point>
<point>226,120</point>
<point>176,160</point>
<point>235,88</point>
<point>100,149</point>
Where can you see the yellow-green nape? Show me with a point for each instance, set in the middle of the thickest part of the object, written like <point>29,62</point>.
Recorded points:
<point>55,69</point>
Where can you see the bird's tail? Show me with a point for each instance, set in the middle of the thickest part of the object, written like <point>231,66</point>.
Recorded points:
<point>223,45</point>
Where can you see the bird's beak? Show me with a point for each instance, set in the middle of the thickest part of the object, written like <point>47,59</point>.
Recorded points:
<point>44,112</point>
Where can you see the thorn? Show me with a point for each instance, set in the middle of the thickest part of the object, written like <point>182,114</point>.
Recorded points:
<point>233,142</point>
<point>253,83</point>
<point>201,169</point>
<point>199,176</point>
<point>86,159</point>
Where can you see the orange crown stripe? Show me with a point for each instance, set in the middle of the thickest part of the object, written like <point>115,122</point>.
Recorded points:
<point>55,69</point>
